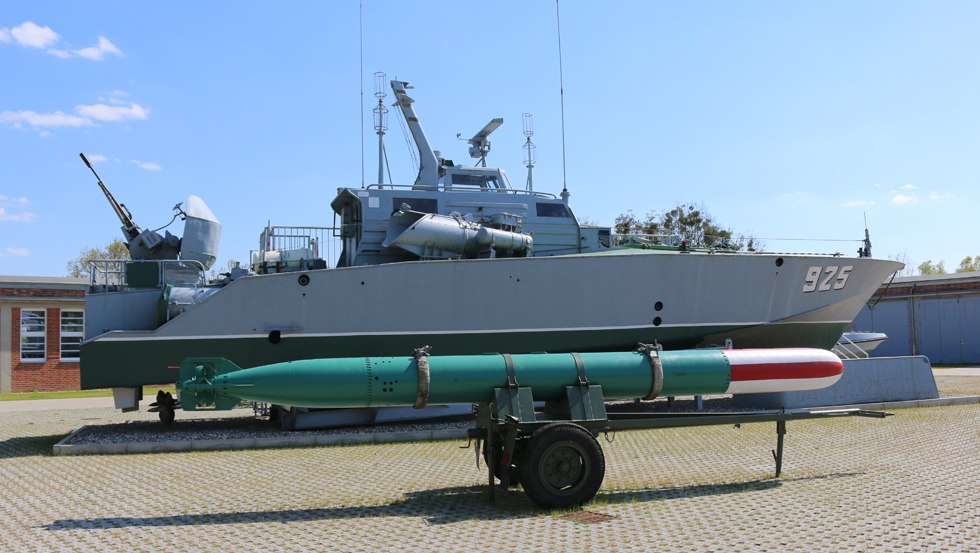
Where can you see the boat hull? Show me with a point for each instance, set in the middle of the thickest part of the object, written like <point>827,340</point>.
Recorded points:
<point>596,302</point>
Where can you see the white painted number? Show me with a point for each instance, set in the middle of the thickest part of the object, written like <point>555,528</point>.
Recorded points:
<point>811,279</point>
<point>842,276</point>
<point>834,278</point>
<point>829,272</point>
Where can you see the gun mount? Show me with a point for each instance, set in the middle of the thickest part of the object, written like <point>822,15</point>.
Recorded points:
<point>202,231</point>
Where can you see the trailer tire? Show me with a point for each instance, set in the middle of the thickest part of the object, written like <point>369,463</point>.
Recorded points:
<point>562,466</point>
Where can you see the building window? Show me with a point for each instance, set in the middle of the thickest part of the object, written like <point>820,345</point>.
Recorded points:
<point>72,331</point>
<point>32,340</point>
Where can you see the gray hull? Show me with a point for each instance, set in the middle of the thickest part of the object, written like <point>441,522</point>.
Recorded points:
<point>602,301</point>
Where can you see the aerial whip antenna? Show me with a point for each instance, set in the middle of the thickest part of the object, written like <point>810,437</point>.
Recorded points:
<point>360,77</point>
<point>380,121</point>
<point>561,84</point>
<point>529,149</point>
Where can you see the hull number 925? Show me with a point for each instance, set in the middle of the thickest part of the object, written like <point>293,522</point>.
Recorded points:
<point>821,279</point>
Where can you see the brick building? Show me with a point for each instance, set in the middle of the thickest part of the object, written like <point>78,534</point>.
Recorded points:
<point>41,327</point>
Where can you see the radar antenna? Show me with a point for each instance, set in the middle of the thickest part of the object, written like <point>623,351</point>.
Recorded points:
<point>529,149</point>
<point>479,144</point>
<point>380,121</point>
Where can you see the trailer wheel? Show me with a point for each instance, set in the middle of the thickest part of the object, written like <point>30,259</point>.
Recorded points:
<point>562,466</point>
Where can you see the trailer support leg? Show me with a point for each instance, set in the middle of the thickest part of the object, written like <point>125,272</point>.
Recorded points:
<point>491,462</point>
<point>778,453</point>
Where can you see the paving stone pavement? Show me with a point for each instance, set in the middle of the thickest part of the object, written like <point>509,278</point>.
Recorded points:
<point>907,483</point>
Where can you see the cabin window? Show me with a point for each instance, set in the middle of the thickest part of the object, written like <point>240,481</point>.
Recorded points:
<point>424,205</point>
<point>32,335</point>
<point>476,181</point>
<point>72,330</point>
<point>553,210</point>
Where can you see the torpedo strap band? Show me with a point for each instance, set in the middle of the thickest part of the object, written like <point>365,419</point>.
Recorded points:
<point>656,367</point>
<point>580,368</point>
<point>422,362</point>
<point>511,376</point>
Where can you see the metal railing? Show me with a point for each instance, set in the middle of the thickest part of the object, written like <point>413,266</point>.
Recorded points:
<point>320,243</point>
<point>671,240</point>
<point>845,348</point>
<point>463,188</point>
<point>108,273</point>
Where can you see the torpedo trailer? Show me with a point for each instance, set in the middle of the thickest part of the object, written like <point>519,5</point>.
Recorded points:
<point>552,451</point>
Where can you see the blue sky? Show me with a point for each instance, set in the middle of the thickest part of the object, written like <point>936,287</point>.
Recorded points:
<point>785,119</point>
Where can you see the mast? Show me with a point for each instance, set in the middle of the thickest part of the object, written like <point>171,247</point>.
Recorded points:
<point>529,149</point>
<point>428,178</point>
<point>380,121</point>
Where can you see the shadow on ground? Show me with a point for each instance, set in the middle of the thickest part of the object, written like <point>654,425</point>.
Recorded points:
<point>29,446</point>
<point>438,506</point>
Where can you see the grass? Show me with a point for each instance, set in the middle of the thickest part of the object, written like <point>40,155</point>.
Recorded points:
<point>148,391</point>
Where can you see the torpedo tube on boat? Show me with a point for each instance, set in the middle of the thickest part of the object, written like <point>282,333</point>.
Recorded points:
<point>434,235</point>
<point>420,380</point>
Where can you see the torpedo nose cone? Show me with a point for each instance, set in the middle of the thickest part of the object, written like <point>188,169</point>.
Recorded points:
<point>757,371</point>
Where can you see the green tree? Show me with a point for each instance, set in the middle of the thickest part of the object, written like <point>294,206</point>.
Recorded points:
<point>81,266</point>
<point>689,221</point>
<point>969,265</point>
<point>928,268</point>
<point>627,223</point>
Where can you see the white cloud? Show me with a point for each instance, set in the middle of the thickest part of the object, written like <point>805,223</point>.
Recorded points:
<point>115,97</point>
<point>30,35</point>
<point>96,158</point>
<point>908,187</point>
<point>58,53</point>
<point>22,217</point>
<point>86,116</point>
<point>903,199</point>
<point>19,252</point>
<point>56,119</point>
<point>103,112</point>
<point>937,196</point>
<point>146,165</point>
<point>98,52</point>
<point>14,201</point>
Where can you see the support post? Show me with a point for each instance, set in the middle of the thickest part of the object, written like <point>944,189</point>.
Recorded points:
<point>491,458</point>
<point>778,453</point>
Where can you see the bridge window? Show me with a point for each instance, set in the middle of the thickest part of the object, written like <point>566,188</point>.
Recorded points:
<point>476,181</point>
<point>553,210</point>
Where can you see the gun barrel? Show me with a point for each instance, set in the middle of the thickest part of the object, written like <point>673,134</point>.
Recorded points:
<point>130,228</point>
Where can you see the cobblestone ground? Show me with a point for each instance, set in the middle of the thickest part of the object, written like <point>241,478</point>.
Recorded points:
<point>907,483</point>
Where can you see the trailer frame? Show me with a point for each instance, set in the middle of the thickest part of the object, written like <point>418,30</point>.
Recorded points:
<point>566,470</point>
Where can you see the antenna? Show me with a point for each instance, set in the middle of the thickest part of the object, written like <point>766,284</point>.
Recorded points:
<point>561,83</point>
<point>380,120</point>
<point>866,250</point>
<point>529,148</point>
<point>479,144</point>
<point>360,76</point>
